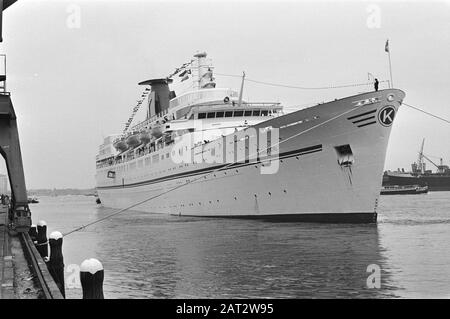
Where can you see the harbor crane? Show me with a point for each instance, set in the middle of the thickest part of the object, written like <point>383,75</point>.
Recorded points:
<point>19,216</point>
<point>420,165</point>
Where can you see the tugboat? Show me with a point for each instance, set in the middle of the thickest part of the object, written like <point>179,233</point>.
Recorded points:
<point>404,190</point>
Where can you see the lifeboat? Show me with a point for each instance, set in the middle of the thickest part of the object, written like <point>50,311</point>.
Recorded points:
<point>157,130</point>
<point>144,137</point>
<point>120,145</point>
<point>133,140</point>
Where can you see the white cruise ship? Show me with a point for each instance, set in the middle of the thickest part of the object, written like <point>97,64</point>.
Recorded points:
<point>210,153</point>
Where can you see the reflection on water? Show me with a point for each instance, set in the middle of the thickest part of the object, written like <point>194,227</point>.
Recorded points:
<point>160,256</point>
<point>415,230</point>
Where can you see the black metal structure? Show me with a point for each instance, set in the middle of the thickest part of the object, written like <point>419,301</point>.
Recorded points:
<point>19,216</point>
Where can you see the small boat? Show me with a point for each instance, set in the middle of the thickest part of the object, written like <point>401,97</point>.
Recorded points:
<point>157,130</point>
<point>404,190</point>
<point>120,145</point>
<point>145,137</point>
<point>33,200</point>
<point>133,140</point>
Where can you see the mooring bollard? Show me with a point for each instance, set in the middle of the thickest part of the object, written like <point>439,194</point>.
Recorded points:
<point>56,262</point>
<point>91,277</point>
<point>33,233</point>
<point>42,244</point>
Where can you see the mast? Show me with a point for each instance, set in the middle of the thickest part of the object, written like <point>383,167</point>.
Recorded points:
<point>242,89</point>
<point>201,60</point>
<point>205,72</point>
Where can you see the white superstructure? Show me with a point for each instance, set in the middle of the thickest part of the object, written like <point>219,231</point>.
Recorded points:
<point>209,153</point>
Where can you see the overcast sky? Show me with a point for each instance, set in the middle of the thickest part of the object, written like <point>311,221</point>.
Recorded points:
<point>73,85</point>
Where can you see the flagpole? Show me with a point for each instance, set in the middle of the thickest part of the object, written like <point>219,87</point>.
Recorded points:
<point>388,49</point>
<point>390,68</point>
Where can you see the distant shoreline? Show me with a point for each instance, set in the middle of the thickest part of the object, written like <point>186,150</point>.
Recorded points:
<point>62,192</point>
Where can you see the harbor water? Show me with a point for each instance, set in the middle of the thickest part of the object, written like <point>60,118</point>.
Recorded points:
<point>160,256</point>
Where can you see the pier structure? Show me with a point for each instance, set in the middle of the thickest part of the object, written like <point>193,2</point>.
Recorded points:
<point>23,271</point>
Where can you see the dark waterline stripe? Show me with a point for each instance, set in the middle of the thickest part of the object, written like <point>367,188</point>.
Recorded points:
<point>347,218</point>
<point>303,151</point>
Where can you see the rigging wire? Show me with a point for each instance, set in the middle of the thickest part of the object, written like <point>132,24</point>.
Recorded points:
<point>299,87</point>
<point>135,109</point>
<point>201,177</point>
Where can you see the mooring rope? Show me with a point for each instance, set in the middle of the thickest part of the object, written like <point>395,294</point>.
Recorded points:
<point>202,177</point>
<point>427,113</point>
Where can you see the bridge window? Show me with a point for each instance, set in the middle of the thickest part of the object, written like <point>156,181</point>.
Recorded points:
<point>248,113</point>
<point>201,115</point>
<point>229,114</point>
<point>219,114</point>
<point>256,112</point>
<point>211,115</point>
<point>238,113</point>
<point>264,113</point>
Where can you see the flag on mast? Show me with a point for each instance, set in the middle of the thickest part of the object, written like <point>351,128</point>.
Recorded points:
<point>386,46</point>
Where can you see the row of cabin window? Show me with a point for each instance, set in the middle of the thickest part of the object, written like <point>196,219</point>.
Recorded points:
<point>212,115</point>
<point>155,159</point>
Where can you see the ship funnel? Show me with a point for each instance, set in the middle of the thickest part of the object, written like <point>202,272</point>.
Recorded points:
<point>159,97</point>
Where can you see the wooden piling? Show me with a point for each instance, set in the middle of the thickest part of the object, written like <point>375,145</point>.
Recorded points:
<point>42,243</point>
<point>91,277</point>
<point>56,263</point>
<point>33,233</point>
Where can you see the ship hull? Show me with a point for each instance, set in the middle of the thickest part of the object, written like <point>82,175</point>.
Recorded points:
<point>311,182</point>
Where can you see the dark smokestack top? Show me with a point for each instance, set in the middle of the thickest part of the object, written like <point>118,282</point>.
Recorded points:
<point>162,95</point>
<point>156,81</point>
